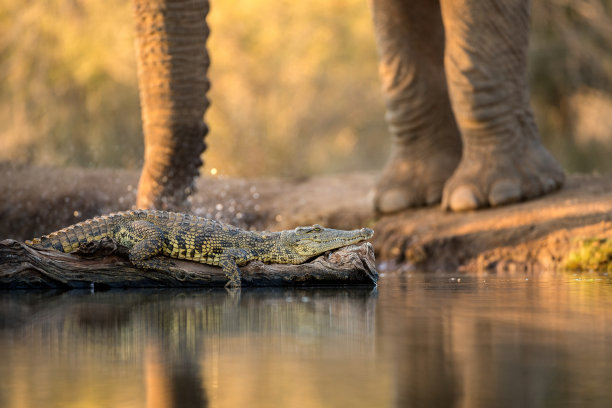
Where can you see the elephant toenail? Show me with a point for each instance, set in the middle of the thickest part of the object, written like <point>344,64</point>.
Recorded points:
<point>463,199</point>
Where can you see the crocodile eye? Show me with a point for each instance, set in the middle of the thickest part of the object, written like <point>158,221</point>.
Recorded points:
<point>306,230</point>
<point>302,230</point>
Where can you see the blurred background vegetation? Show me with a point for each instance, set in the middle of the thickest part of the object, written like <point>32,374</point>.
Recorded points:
<point>295,88</point>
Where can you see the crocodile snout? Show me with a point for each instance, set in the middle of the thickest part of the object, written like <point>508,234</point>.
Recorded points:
<point>368,232</point>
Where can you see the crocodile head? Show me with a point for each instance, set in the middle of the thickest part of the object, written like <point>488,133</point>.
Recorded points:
<point>306,242</point>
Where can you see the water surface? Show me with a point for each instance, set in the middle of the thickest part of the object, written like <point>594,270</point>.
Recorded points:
<point>418,340</point>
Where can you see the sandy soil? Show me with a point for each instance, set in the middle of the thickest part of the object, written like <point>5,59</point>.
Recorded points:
<point>526,236</point>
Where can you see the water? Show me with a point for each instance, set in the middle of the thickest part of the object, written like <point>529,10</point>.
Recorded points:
<point>416,341</point>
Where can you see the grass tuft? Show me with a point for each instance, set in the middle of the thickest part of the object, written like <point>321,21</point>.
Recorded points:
<point>594,254</point>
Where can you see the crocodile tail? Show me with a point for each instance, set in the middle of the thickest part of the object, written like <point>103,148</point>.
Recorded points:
<point>70,238</point>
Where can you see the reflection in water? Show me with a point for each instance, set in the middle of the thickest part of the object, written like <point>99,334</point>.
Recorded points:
<point>420,340</point>
<point>483,342</point>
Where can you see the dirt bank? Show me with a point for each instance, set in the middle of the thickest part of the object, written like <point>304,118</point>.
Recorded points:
<point>536,234</point>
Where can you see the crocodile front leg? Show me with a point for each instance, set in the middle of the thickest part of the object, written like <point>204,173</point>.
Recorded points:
<point>229,262</point>
<point>145,241</point>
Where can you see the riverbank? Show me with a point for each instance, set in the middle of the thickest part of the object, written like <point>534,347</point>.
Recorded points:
<point>527,236</point>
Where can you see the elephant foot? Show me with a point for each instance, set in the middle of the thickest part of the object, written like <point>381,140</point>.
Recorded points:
<point>414,177</point>
<point>493,176</point>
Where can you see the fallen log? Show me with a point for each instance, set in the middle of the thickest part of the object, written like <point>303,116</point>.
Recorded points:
<point>104,264</point>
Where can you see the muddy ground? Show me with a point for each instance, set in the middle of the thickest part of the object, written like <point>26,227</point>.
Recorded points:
<point>526,236</point>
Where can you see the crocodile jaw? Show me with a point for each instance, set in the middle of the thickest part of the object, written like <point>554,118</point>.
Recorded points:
<point>307,242</point>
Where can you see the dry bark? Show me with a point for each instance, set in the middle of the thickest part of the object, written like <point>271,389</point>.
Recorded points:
<point>105,265</point>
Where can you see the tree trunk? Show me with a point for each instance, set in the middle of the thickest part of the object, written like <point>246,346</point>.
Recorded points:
<point>103,264</point>
<point>172,65</point>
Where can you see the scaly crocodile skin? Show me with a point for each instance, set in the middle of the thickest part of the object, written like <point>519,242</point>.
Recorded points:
<point>152,236</point>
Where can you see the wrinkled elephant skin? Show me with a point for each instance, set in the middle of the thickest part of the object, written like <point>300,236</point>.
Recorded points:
<point>172,66</point>
<point>454,77</point>
<point>455,86</point>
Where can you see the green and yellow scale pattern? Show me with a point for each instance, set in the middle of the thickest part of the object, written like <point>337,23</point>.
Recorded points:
<point>154,236</point>
<point>175,235</point>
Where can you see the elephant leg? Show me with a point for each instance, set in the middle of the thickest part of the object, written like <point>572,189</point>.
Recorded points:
<point>426,145</point>
<point>172,65</point>
<point>503,159</point>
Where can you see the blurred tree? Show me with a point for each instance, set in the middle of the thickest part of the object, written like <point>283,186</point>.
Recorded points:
<point>68,83</point>
<point>571,80</point>
<point>295,89</point>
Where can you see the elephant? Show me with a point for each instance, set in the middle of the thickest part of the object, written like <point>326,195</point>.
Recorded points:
<point>454,80</point>
<point>172,80</point>
<point>454,76</point>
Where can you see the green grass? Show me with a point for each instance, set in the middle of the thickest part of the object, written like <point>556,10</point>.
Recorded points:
<point>591,254</point>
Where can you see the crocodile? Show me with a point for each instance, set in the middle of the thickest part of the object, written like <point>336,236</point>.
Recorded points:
<point>153,236</point>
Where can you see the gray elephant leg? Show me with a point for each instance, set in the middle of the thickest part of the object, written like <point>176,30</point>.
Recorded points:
<point>503,160</point>
<point>172,65</point>
<point>426,141</point>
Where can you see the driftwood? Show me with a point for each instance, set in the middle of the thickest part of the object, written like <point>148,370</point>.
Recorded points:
<point>105,265</point>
